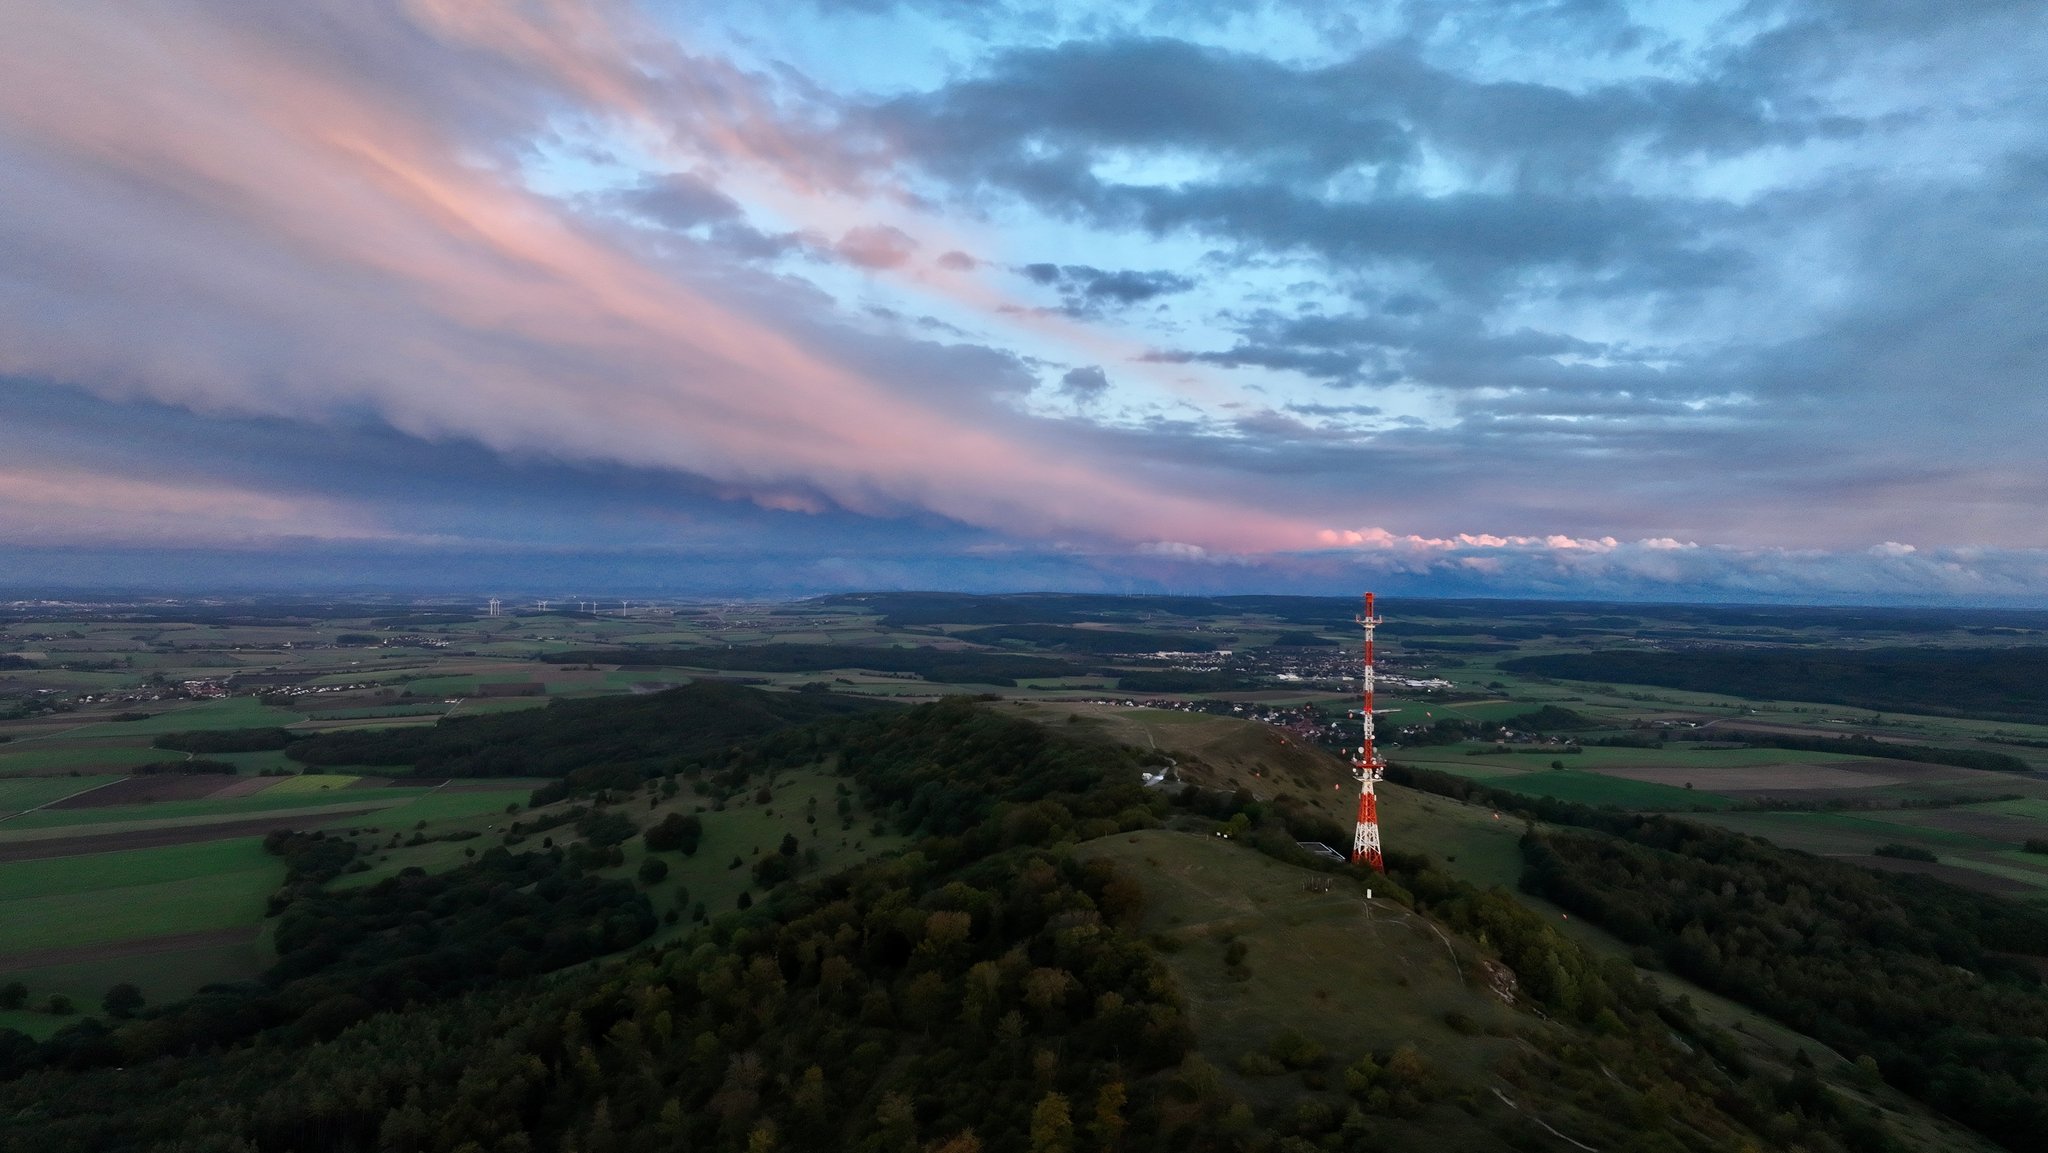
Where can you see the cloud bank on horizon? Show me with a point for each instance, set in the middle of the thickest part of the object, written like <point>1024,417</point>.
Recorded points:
<point>1736,301</point>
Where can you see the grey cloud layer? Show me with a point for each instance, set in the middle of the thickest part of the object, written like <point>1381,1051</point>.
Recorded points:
<point>1522,269</point>
<point>1794,277</point>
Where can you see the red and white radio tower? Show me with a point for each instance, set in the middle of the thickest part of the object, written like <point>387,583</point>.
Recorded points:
<point>1368,767</point>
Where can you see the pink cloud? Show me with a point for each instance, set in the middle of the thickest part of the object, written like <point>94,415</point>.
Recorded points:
<point>218,219</point>
<point>81,507</point>
<point>876,246</point>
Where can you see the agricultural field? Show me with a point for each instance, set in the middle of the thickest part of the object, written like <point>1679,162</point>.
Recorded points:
<point>167,919</point>
<point>22,794</point>
<point>92,691</point>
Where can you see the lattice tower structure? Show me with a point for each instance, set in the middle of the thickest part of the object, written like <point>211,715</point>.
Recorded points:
<point>1367,766</point>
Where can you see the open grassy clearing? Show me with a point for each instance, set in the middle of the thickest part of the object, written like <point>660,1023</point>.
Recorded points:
<point>1350,974</point>
<point>744,830</point>
<point>1475,843</point>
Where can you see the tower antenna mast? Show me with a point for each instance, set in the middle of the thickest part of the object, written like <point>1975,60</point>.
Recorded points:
<point>1367,766</point>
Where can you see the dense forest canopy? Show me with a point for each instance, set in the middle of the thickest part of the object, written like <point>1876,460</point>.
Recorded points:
<point>628,736</point>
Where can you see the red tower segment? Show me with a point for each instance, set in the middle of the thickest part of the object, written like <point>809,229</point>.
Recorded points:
<point>1367,766</point>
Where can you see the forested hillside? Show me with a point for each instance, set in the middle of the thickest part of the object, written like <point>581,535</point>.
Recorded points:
<point>628,737</point>
<point>1939,988</point>
<point>1936,989</point>
<point>987,989</point>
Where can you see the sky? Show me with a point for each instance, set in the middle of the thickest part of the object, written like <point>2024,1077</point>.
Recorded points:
<point>1735,301</point>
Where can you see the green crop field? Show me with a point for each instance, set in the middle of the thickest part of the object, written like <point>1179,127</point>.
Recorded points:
<point>129,868</point>
<point>1418,711</point>
<point>19,793</point>
<point>1843,833</point>
<point>232,713</point>
<point>1596,758</point>
<point>209,810</point>
<point>221,898</point>
<point>626,678</point>
<point>391,710</point>
<point>2033,807</point>
<point>45,757</point>
<point>478,706</point>
<point>443,686</point>
<point>1595,789</point>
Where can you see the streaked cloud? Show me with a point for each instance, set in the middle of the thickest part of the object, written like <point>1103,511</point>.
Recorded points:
<point>76,507</point>
<point>1569,299</point>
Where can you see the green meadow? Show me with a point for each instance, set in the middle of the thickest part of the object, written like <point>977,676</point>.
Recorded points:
<point>101,898</point>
